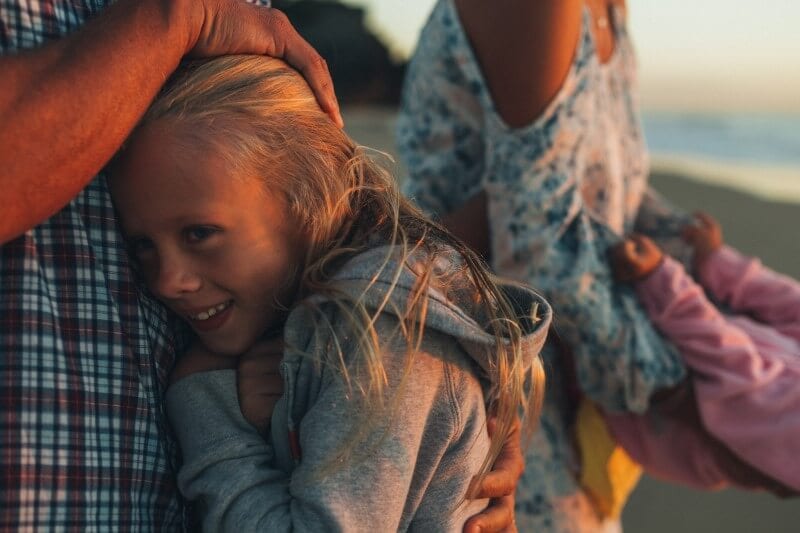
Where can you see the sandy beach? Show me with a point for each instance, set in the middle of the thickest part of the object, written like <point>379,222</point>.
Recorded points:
<point>767,229</point>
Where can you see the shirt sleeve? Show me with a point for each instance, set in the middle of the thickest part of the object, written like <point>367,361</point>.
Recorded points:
<point>747,395</point>
<point>747,286</point>
<point>391,473</point>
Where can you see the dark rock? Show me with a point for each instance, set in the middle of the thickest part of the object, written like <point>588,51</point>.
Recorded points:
<point>362,68</point>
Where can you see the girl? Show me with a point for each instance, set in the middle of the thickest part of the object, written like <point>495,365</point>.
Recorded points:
<point>247,209</point>
<point>745,360</point>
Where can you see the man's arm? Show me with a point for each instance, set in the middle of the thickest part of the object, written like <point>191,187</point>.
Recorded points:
<point>67,107</point>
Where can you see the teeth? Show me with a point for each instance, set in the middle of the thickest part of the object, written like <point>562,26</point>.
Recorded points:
<point>208,313</point>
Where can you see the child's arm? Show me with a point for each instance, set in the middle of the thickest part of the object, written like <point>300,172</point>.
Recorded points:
<point>741,282</point>
<point>435,427</point>
<point>747,397</point>
<point>671,443</point>
<point>747,286</point>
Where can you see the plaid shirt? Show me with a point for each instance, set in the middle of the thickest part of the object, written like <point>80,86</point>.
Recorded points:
<point>84,356</point>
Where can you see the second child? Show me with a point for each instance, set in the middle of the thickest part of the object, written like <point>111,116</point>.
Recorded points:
<point>744,355</point>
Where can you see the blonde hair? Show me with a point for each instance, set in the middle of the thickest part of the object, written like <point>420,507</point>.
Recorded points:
<point>262,114</point>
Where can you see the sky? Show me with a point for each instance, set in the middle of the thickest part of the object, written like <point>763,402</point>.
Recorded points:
<point>694,55</point>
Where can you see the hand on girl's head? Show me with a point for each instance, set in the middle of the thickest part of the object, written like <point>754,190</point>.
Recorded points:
<point>635,257</point>
<point>704,235</point>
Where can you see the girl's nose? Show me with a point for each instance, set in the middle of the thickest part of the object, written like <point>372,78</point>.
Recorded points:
<point>175,279</point>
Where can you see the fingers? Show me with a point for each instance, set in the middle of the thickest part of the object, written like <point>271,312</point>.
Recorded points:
<point>704,235</point>
<point>235,27</point>
<point>642,244</point>
<point>623,256</point>
<point>690,233</point>
<point>299,54</point>
<point>497,484</point>
<point>315,70</point>
<point>706,220</point>
<point>702,223</point>
<point>507,468</point>
<point>498,517</point>
<point>635,258</point>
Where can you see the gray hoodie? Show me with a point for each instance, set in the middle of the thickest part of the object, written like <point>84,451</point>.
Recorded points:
<point>409,472</point>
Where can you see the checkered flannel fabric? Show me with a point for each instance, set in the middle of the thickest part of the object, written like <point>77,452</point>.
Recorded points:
<point>84,356</point>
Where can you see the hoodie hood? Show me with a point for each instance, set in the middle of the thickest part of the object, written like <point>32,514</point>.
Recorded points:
<point>382,280</point>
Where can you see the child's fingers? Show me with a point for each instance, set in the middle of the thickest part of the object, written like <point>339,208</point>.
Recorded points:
<point>642,242</point>
<point>621,260</point>
<point>705,219</point>
<point>498,517</point>
<point>690,234</point>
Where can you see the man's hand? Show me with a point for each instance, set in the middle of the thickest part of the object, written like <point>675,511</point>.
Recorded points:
<point>260,384</point>
<point>80,96</point>
<point>704,236</point>
<point>500,485</point>
<point>223,27</point>
<point>635,258</point>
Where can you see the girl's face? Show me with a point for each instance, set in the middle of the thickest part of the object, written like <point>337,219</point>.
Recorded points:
<point>211,242</point>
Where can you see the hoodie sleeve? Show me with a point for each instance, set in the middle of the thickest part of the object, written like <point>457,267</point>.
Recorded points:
<point>749,287</point>
<point>416,466</point>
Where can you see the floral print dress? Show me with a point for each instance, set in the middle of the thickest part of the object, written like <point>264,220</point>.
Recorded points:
<point>560,191</point>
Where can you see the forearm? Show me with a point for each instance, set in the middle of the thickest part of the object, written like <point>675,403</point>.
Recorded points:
<point>710,345</point>
<point>746,392</point>
<point>68,106</point>
<point>749,287</point>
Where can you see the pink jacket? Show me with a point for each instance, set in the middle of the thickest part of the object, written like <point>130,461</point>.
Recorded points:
<point>745,369</point>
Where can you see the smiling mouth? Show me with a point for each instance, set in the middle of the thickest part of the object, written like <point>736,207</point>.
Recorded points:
<point>210,312</point>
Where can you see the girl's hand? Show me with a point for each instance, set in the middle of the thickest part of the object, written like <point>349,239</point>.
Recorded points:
<point>500,485</point>
<point>260,384</point>
<point>704,236</point>
<point>198,359</point>
<point>635,258</point>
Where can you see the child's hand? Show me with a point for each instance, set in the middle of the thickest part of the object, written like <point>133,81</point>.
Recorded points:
<point>705,236</point>
<point>635,258</point>
<point>260,384</point>
<point>198,359</point>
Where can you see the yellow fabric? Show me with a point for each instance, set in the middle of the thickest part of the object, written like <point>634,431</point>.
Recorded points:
<point>608,474</point>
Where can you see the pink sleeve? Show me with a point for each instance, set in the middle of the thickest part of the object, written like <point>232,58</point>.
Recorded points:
<point>747,286</point>
<point>747,397</point>
<point>669,448</point>
<point>671,444</point>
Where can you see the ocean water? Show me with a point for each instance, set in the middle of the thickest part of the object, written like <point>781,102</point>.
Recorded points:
<point>759,154</point>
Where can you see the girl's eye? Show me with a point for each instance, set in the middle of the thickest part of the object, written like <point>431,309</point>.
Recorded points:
<point>197,234</point>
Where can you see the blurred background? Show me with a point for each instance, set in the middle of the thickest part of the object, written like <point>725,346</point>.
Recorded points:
<point>720,92</point>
